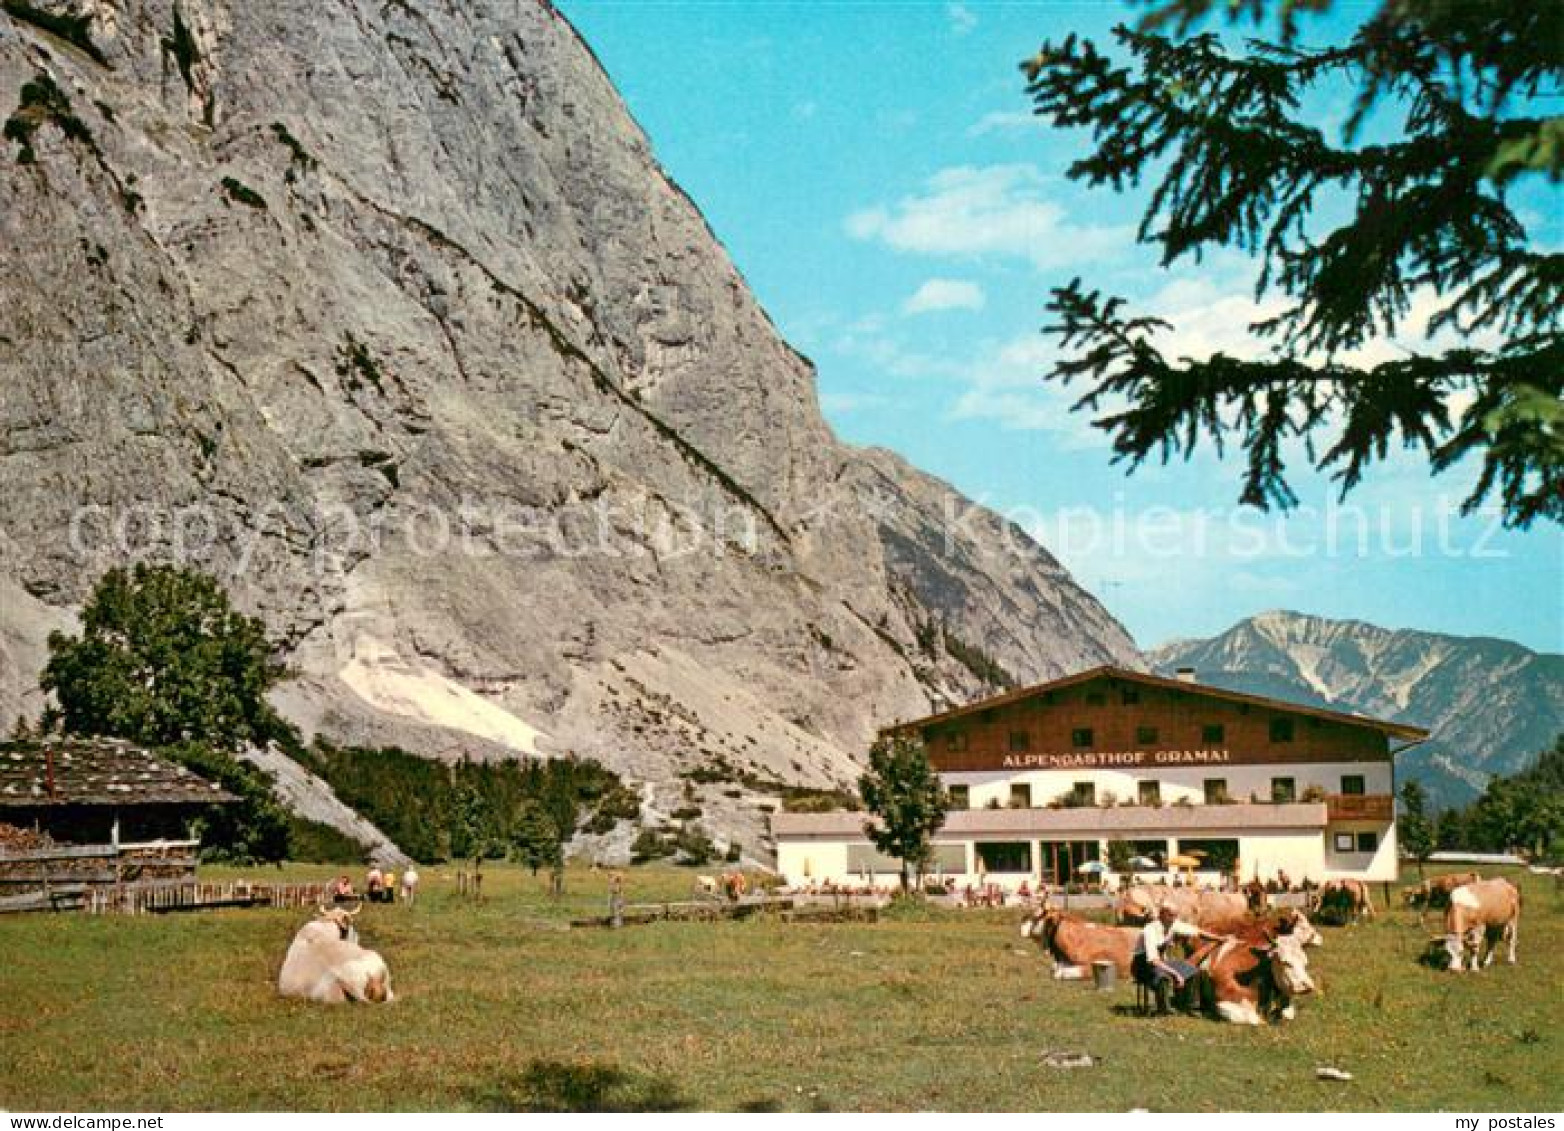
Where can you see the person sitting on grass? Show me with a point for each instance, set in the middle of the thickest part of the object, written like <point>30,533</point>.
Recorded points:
<point>1152,965</point>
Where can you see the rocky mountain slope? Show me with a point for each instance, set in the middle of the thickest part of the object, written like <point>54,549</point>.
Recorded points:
<point>1492,705</point>
<point>385,313</point>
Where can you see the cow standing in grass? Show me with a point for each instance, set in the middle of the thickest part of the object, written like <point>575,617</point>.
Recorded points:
<point>1343,901</point>
<point>1480,918</point>
<point>1218,912</point>
<point>1434,892</point>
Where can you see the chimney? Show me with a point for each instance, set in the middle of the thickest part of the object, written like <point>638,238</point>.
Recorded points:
<point>1185,675</point>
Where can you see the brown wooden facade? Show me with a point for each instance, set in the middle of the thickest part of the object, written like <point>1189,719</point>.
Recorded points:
<point>1114,719</point>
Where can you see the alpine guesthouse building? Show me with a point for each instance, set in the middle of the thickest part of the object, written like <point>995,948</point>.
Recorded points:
<point>1042,779</point>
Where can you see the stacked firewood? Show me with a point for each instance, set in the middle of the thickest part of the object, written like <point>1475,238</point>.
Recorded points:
<point>13,839</point>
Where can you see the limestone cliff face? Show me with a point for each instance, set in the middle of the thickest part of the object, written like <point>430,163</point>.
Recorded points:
<point>385,313</point>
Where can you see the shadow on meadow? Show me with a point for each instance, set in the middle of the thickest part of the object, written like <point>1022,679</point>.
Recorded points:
<point>554,1086</point>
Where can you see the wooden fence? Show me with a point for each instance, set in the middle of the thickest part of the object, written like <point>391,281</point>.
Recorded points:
<point>158,897</point>
<point>132,879</point>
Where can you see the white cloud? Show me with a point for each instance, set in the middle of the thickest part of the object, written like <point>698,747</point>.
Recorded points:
<point>1005,384</point>
<point>962,18</point>
<point>995,210</point>
<point>945,294</point>
<point>1004,121</point>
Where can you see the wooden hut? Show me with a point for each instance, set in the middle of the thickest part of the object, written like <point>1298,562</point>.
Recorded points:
<point>100,791</point>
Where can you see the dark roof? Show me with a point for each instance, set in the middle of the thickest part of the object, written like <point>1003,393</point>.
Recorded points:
<point>97,771</point>
<point>1399,730</point>
<point>1152,820</point>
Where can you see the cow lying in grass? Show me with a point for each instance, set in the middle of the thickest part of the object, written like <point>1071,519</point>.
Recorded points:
<point>1253,977</point>
<point>1074,943</point>
<point>326,964</point>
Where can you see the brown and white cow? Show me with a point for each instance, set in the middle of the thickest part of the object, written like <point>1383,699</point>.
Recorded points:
<point>325,963</point>
<point>1250,978</point>
<point>1480,917</point>
<point>1074,943</point>
<point>1343,901</point>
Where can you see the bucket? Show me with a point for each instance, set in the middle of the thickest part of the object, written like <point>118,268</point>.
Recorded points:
<point>1105,975</point>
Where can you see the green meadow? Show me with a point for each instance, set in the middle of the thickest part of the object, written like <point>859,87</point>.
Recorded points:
<point>502,1007</point>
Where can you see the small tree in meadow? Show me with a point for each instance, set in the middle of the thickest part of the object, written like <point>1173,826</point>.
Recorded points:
<point>535,841</point>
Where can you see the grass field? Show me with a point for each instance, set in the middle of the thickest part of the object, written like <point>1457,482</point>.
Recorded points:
<point>501,1008</point>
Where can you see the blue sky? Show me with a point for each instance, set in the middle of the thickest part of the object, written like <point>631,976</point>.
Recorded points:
<point>875,173</point>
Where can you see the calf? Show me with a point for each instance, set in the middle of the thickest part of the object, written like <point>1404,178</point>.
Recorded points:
<point>326,964</point>
<point>1074,944</point>
<point>1480,917</point>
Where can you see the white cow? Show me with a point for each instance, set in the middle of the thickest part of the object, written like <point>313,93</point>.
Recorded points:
<point>326,964</point>
<point>409,885</point>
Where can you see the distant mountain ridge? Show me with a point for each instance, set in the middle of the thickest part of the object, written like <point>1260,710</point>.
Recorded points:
<point>1492,705</point>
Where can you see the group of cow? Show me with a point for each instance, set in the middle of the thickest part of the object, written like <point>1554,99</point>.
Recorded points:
<point>1259,965</point>
<point>1252,972</point>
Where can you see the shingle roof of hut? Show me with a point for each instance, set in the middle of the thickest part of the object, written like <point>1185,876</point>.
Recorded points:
<point>97,771</point>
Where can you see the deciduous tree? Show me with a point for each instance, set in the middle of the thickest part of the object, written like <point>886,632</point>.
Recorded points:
<point>902,790</point>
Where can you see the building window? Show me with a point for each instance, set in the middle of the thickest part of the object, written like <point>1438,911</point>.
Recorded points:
<point>1020,741</point>
<point>1081,736</point>
<point>1368,842</point>
<point>1214,855</point>
<point>1281,730</point>
<point>1096,699</point>
<point>1005,856</point>
<point>1020,796</point>
<point>987,715</point>
<point>1085,793</point>
<point>1149,793</point>
<point>1344,842</point>
<point>1352,785</point>
<point>865,859</point>
<point>960,796</point>
<point>1129,696</point>
<point>1216,791</point>
<point>956,740</point>
<point>1284,790</point>
<point>1213,734</point>
<point>1145,736</point>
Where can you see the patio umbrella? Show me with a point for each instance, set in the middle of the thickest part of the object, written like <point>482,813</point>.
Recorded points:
<point>1188,861</point>
<point>1094,867</point>
<point>1143,862</point>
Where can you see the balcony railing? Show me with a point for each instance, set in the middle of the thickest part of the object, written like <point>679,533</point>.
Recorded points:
<point>1360,807</point>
